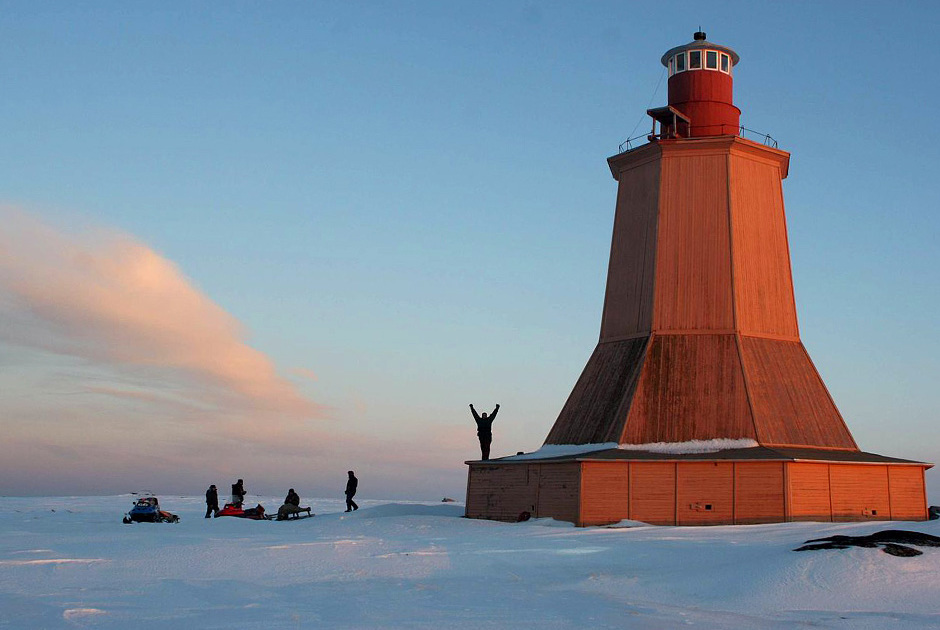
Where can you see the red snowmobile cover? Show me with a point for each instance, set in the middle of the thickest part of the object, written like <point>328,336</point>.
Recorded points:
<point>255,513</point>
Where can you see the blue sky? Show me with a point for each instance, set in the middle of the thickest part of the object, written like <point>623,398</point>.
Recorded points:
<point>411,201</point>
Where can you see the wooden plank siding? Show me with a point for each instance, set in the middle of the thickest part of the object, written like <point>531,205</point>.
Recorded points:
<point>502,492</point>
<point>653,492</point>
<point>693,258</point>
<point>808,491</point>
<point>691,388</point>
<point>559,491</point>
<point>628,301</point>
<point>763,285</point>
<point>759,495</point>
<point>859,492</point>
<point>674,388</point>
<point>696,492</point>
<point>684,493</point>
<point>907,492</point>
<point>790,403</point>
<point>596,409</point>
<point>705,493</point>
<point>605,492</point>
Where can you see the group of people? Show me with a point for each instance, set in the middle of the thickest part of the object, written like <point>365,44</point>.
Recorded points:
<point>291,504</point>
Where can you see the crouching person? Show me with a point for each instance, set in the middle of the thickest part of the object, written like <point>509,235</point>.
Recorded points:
<point>291,506</point>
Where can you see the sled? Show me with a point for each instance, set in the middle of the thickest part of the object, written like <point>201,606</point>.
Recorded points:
<point>291,517</point>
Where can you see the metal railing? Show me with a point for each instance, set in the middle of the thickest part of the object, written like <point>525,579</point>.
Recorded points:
<point>627,146</point>
<point>749,134</point>
<point>765,137</point>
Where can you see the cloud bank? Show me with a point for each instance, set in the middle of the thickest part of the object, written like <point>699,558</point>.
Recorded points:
<point>108,299</point>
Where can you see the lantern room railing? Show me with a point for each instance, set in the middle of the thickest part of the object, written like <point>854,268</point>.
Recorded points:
<point>743,132</point>
<point>764,137</point>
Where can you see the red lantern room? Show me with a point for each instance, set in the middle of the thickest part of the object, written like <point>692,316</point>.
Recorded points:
<point>701,87</point>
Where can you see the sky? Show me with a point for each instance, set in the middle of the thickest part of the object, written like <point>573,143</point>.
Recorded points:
<point>278,241</point>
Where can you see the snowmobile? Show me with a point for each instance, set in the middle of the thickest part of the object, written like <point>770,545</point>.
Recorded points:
<point>147,510</point>
<point>232,509</point>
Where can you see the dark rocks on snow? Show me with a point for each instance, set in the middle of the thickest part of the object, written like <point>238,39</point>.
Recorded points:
<point>890,541</point>
<point>900,551</point>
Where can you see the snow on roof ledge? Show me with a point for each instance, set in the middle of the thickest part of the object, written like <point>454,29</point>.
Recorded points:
<point>693,446</point>
<point>561,450</point>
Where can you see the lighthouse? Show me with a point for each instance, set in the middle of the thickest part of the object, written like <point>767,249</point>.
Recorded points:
<point>699,404</point>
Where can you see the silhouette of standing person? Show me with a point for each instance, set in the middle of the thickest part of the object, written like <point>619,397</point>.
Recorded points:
<point>212,501</point>
<point>238,492</point>
<point>351,485</point>
<point>484,429</point>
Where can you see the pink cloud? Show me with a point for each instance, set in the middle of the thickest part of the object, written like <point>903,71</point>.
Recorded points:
<point>305,373</point>
<point>107,298</point>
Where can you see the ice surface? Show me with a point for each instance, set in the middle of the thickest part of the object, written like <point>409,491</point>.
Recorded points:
<point>419,565</point>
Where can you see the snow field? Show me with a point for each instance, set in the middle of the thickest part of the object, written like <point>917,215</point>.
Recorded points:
<point>419,565</point>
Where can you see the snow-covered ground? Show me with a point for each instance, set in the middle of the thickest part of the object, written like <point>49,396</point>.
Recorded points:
<point>70,562</point>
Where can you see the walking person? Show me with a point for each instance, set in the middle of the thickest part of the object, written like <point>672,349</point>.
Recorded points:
<point>212,501</point>
<point>484,429</point>
<point>351,485</point>
<point>238,493</point>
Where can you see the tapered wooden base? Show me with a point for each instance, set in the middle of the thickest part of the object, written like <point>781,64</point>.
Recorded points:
<point>681,387</point>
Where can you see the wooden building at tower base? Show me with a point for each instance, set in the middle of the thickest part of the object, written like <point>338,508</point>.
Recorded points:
<point>735,486</point>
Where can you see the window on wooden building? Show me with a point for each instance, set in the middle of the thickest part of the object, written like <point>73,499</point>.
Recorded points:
<point>724,63</point>
<point>711,59</point>
<point>680,62</point>
<point>695,59</point>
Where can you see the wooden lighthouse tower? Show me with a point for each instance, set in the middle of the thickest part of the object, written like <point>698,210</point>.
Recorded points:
<point>700,404</point>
